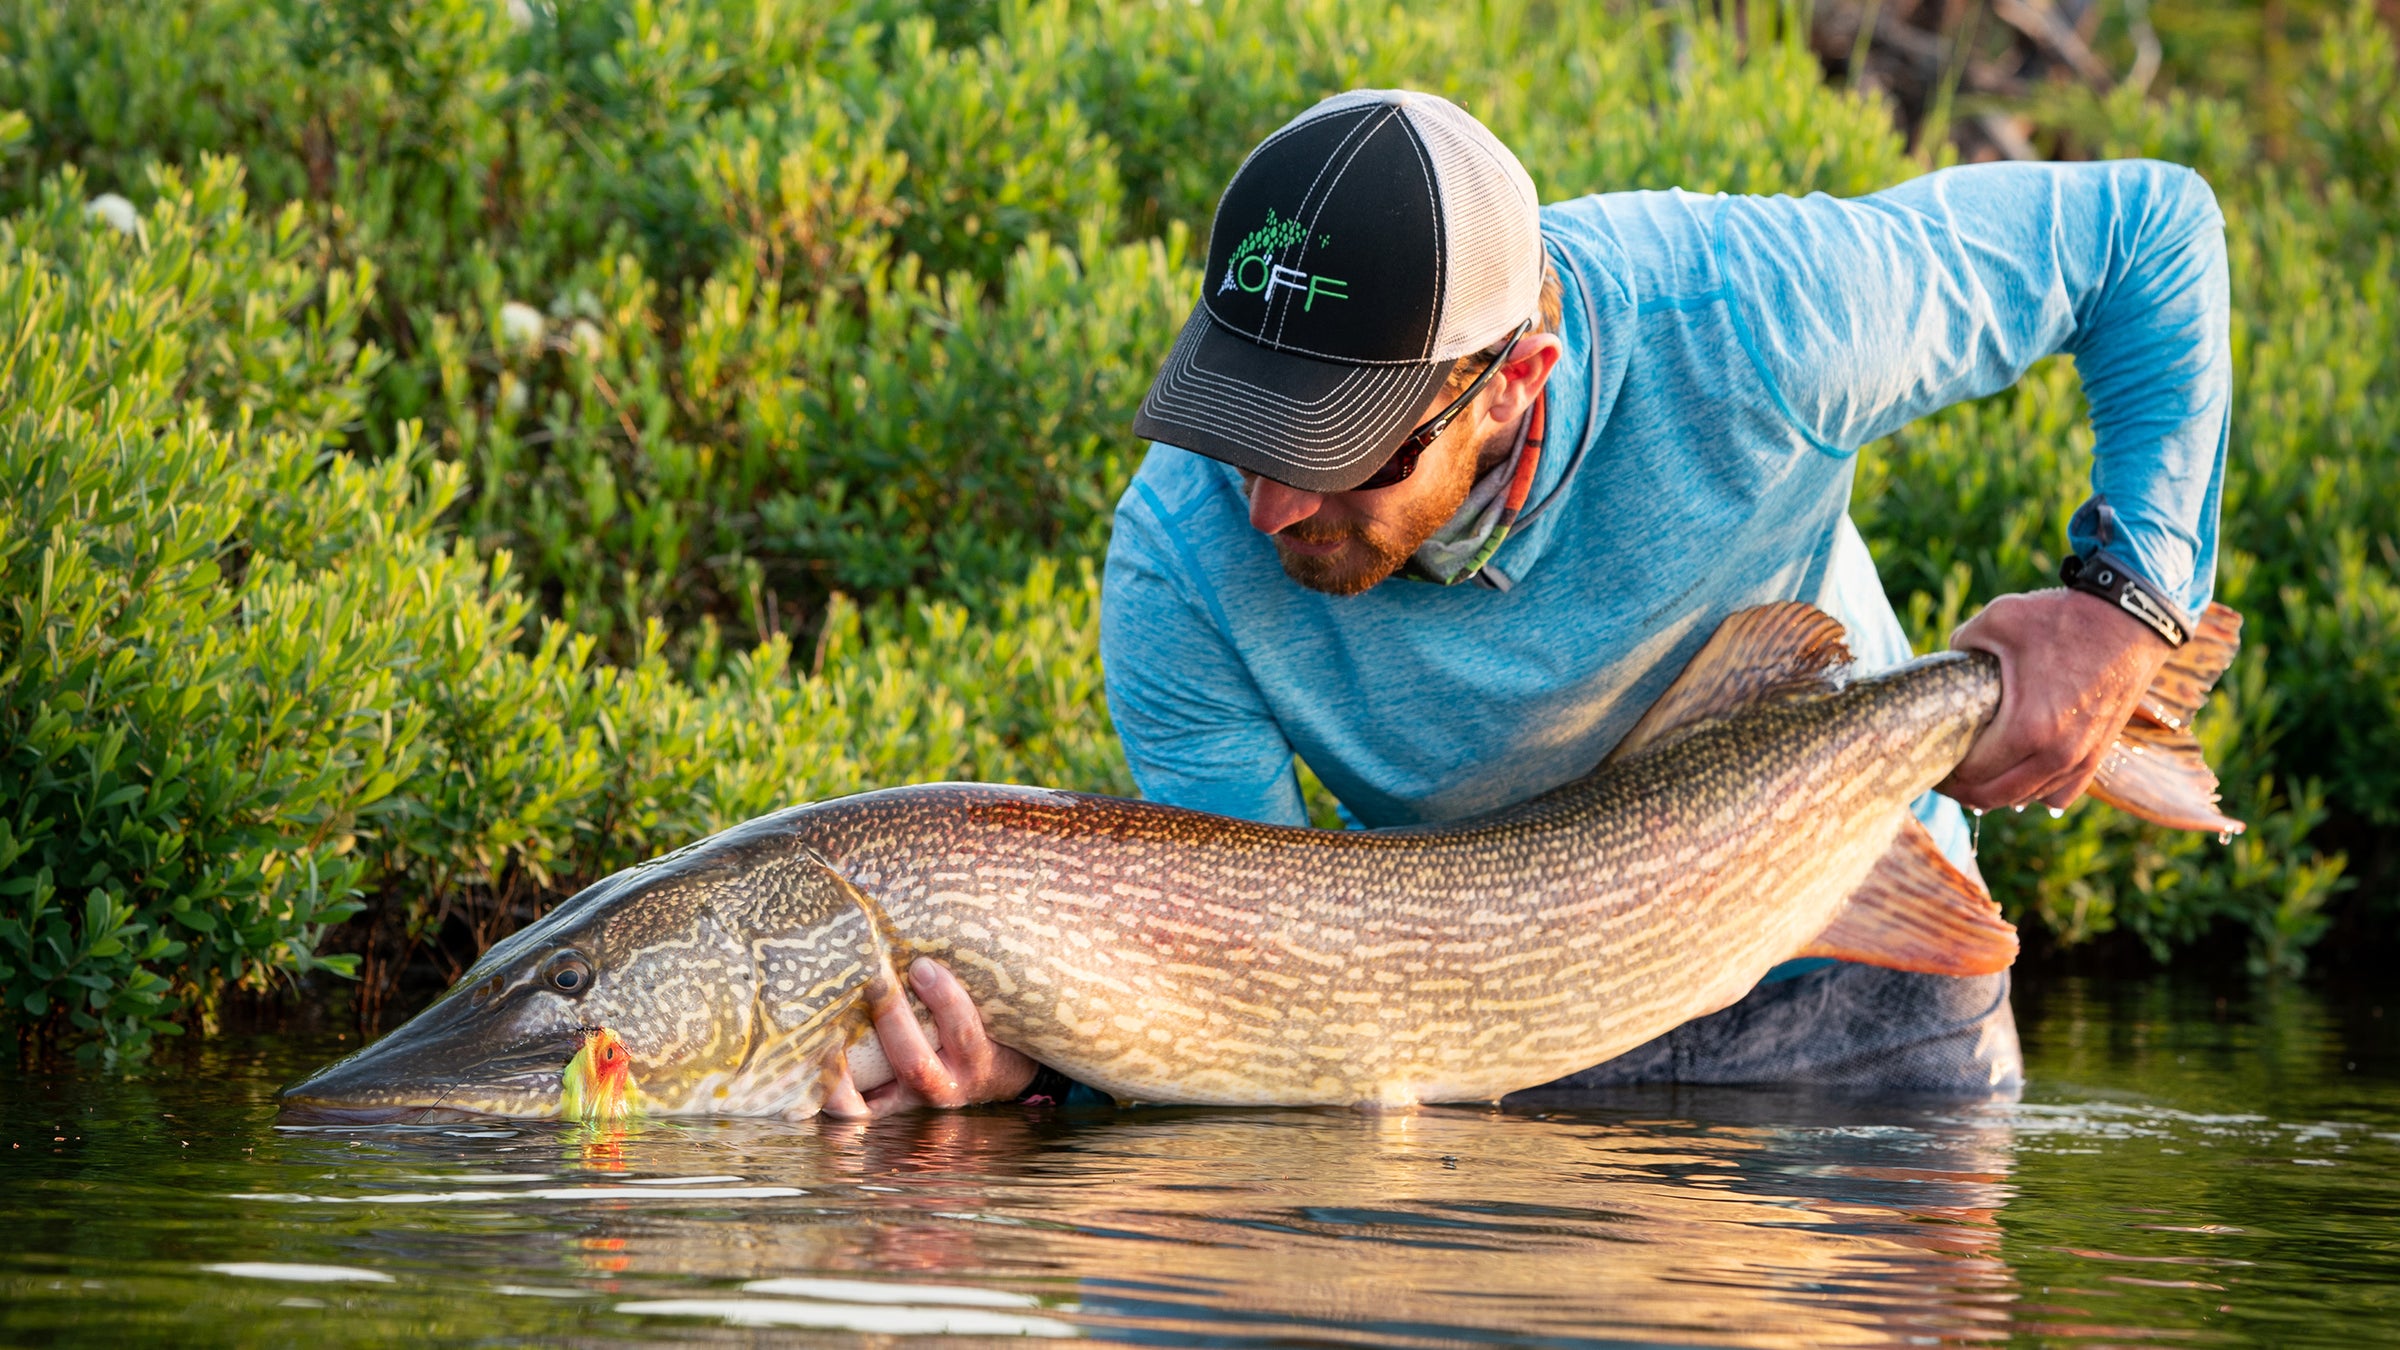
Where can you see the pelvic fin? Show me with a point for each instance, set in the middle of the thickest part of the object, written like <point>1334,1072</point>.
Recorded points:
<point>1916,911</point>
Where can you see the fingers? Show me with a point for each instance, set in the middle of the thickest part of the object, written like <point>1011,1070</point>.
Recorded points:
<point>2054,774</point>
<point>965,1068</point>
<point>842,1101</point>
<point>983,1069</point>
<point>917,1070</point>
<point>965,1049</point>
<point>2062,791</point>
<point>2004,768</point>
<point>2007,788</point>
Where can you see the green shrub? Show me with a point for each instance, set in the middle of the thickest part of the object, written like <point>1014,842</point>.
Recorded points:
<point>813,320</point>
<point>250,678</point>
<point>194,733</point>
<point>443,531</point>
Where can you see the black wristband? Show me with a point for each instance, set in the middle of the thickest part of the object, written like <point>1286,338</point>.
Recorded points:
<point>1048,1085</point>
<point>2111,580</point>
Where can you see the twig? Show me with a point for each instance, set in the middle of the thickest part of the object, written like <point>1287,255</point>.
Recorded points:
<point>1864,43</point>
<point>609,396</point>
<point>2146,52</point>
<point>1936,126</point>
<point>2001,130</point>
<point>2053,33</point>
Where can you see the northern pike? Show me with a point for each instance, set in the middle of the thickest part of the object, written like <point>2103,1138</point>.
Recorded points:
<point>1759,811</point>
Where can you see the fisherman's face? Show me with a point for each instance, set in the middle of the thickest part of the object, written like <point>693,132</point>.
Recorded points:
<point>1342,543</point>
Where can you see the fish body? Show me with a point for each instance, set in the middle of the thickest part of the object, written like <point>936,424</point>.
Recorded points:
<point>1165,955</point>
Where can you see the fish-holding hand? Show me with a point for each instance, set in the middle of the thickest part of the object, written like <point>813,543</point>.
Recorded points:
<point>2073,667</point>
<point>965,1067</point>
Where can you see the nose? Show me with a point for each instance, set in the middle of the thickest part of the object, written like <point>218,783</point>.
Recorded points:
<point>1275,505</point>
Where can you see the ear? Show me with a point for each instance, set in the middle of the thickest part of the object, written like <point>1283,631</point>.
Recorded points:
<point>1521,376</point>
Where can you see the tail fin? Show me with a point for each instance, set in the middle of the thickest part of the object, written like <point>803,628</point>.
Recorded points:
<point>2154,770</point>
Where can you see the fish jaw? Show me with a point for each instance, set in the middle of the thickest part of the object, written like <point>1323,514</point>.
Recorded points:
<point>425,1080</point>
<point>476,1053</point>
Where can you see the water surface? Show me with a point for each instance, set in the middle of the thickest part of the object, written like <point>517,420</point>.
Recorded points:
<point>2184,1170</point>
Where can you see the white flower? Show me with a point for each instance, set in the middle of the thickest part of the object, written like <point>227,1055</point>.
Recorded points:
<point>521,325</point>
<point>520,15</point>
<point>115,212</point>
<point>585,337</point>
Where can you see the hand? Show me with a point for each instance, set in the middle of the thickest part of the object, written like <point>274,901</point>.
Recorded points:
<point>2072,667</point>
<point>968,1068</point>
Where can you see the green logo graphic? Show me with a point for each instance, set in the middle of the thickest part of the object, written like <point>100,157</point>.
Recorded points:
<point>1253,268</point>
<point>1267,238</point>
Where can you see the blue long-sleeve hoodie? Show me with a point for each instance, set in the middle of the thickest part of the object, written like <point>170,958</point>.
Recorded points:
<point>1725,357</point>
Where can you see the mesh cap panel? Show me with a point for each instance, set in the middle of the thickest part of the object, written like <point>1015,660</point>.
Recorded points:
<point>1491,229</point>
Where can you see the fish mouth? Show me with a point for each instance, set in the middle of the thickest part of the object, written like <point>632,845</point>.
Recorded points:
<point>300,1110</point>
<point>392,1082</point>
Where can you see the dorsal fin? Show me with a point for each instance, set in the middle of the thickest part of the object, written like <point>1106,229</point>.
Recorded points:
<point>1917,911</point>
<point>2155,770</point>
<point>1756,653</point>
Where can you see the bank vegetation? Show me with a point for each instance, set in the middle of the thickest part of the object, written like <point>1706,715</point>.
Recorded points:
<point>451,449</point>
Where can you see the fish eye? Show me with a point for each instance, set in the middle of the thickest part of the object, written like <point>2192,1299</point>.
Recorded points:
<point>568,973</point>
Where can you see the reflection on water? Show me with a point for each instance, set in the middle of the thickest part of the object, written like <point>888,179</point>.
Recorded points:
<point>2177,1173</point>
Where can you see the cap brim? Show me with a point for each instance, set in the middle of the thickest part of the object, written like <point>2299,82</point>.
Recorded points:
<point>1322,426</point>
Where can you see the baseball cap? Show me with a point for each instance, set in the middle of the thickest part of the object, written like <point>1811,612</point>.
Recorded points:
<point>1356,255</point>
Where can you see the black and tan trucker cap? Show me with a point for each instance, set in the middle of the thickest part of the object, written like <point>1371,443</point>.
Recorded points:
<point>1357,254</point>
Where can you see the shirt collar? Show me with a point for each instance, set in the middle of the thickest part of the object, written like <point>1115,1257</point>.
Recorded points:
<point>1481,525</point>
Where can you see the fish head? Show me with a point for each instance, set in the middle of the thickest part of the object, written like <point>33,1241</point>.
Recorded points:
<point>725,979</point>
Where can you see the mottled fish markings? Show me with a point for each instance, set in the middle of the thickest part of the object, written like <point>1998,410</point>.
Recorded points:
<point>1164,955</point>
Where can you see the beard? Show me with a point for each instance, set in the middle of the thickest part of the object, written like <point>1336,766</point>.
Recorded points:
<point>1371,551</point>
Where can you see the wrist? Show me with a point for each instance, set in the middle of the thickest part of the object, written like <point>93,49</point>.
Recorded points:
<point>2104,577</point>
<point>2103,620</point>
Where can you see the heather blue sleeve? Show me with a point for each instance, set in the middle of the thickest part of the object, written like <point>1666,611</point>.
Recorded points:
<point>1865,314</point>
<point>1195,730</point>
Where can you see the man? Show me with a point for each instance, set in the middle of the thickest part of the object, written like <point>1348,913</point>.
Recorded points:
<point>1444,536</point>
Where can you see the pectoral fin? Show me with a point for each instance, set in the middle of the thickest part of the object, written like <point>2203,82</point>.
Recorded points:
<point>1917,911</point>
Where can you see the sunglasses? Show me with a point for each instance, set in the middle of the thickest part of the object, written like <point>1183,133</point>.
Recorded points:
<point>1403,461</point>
